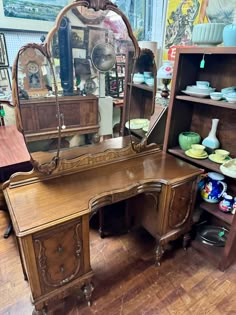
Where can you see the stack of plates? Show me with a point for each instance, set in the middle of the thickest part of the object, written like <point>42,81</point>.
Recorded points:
<point>213,235</point>
<point>194,90</point>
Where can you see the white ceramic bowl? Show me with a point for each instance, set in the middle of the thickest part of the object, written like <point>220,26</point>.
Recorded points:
<point>138,78</point>
<point>149,81</point>
<point>208,34</point>
<point>230,99</point>
<point>216,96</point>
<point>229,89</point>
<point>203,84</point>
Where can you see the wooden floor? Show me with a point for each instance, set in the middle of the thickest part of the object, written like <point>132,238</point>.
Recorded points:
<point>127,282</point>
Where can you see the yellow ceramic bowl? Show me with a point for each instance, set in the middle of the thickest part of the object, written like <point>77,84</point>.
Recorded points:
<point>221,154</point>
<point>197,149</point>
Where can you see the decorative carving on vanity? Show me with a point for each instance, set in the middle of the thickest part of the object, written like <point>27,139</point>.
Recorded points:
<point>93,160</point>
<point>52,251</point>
<point>181,199</point>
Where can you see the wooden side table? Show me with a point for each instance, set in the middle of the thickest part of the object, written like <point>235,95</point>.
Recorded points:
<point>14,157</point>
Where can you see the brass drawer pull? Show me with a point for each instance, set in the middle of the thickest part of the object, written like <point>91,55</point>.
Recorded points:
<point>60,249</point>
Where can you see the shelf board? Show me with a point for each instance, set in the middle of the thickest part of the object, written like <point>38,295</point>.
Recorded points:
<point>213,253</point>
<point>207,101</point>
<point>142,86</point>
<point>205,163</point>
<point>214,210</point>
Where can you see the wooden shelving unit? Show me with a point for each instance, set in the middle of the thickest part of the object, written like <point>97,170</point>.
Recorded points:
<point>214,210</point>
<point>188,113</point>
<point>142,87</point>
<point>207,101</point>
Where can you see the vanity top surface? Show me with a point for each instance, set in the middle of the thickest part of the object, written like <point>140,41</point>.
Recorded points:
<point>42,204</point>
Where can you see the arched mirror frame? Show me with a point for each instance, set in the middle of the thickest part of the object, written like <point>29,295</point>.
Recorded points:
<point>108,5</point>
<point>48,168</point>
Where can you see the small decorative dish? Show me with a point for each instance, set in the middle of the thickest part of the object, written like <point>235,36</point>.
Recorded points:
<point>194,156</point>
<point>214,158</point>
<point>145,128</point>
<point>213,235</point>
<point>137,123</point>
<point>196,94</point>
<point>229,168</point>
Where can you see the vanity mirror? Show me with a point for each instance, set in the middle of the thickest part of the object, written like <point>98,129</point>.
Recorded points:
<point>33,83</point>
<point>65,89</point>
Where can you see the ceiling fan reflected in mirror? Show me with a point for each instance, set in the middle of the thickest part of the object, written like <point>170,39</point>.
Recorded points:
<point>103,57</point>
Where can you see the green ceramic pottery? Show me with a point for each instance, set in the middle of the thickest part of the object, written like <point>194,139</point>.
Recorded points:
<point>186,139</point>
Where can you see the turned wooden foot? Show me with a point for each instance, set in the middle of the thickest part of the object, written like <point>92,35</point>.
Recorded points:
<point>186,240</point>
<point>88,290</point>
<point>159,253</point>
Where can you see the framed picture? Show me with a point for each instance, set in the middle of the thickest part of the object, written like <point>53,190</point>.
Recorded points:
<point>3,51</point>
<point>15,15</point>
<point>96,36</point>
<point>5,83</point>
<point>79,53</point>
<point>79,37</point>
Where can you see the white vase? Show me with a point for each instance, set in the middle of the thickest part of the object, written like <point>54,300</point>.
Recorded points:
<point>211,140</point>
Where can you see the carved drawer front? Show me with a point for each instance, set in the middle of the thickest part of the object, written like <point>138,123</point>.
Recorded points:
<point>59,255</point>
<point>180,204</point>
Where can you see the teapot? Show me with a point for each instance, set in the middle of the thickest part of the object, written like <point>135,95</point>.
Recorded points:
<point>213,187</point>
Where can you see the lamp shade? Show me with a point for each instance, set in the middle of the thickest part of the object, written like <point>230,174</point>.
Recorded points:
<point>165,71</point>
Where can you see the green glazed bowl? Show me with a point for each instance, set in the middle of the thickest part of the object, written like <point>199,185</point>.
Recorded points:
<point>186,139</point>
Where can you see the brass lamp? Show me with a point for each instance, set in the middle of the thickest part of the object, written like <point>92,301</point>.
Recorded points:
<point>165,73</point>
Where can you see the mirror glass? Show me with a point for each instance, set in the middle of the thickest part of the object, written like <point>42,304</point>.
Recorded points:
<point>89,53</point>
<point>82,86</point>
<point>37,101</point>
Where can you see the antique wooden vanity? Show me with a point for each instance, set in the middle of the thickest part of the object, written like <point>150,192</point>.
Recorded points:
<point>51,206</point>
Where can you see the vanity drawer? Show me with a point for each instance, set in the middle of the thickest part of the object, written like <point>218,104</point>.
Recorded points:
<point>59,255</point>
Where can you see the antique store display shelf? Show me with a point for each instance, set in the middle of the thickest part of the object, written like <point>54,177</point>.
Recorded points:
<point>186,113</point>
<point>207,101</point>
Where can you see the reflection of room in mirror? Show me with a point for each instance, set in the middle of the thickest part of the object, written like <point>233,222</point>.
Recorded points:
<point>96,36</point>
<point>34,73</point>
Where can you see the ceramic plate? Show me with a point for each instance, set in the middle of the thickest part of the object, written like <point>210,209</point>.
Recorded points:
<point>213,158</point>
<point>213,235</point>
<point>145,129</point>
<point>201,95</point>
<point>229,168</point>
<point>137,123</point>
<point>190,154</point>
